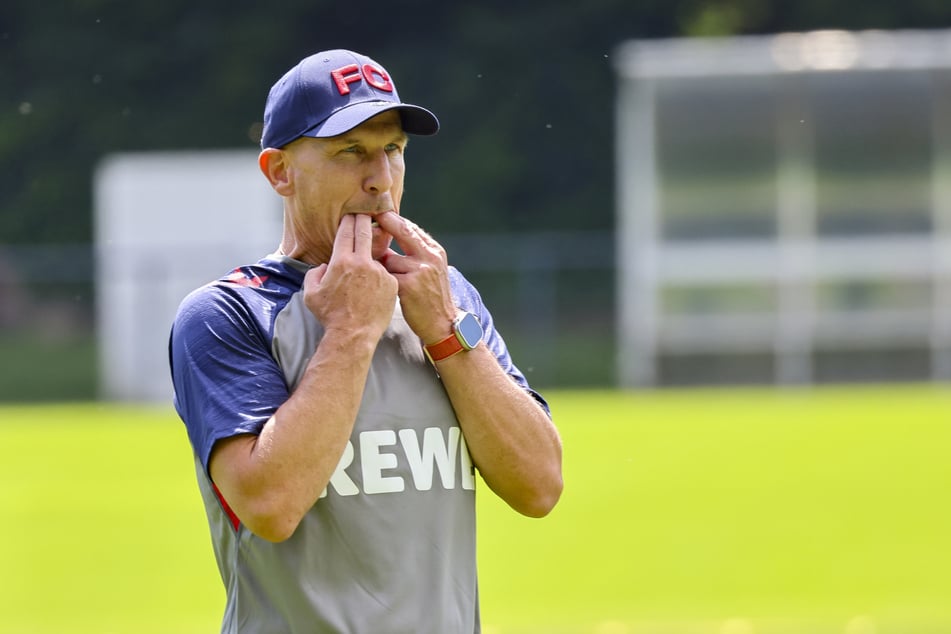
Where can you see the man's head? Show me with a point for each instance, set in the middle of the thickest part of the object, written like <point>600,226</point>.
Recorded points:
<point>332,92</point>
<point>335,132</point>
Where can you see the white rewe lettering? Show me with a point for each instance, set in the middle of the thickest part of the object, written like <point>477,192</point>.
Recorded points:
<point>465,464</point>
<point>438,451</point>
<point>435,451</point>
<point>373,463</point>
<point>341,482</point>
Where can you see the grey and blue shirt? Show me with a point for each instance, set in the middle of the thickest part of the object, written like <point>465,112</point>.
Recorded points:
<point>390,546</point>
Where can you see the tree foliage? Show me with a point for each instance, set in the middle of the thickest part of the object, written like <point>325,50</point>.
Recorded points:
<point>524,90</point>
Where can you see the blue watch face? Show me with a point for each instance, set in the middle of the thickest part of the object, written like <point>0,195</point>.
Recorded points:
<point>469,331</point>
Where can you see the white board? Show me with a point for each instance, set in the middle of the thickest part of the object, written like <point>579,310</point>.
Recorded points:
<point>166,223</point>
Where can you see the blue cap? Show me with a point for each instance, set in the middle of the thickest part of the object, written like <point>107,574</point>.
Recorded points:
<point>331,92</point>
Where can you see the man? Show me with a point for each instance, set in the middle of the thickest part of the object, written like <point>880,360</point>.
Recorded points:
<point>339,394</point>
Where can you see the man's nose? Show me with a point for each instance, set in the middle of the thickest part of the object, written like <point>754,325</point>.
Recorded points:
<point>379,173</point>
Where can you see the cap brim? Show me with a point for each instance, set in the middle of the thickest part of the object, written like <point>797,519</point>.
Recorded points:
<point>416,120</point>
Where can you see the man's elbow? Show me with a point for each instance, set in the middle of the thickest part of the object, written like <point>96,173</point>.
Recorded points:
<point>272,531</point>
<point>543,499</point>
<point>270,522</point>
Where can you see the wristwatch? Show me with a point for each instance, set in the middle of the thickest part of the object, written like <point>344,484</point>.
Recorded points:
<point>466,335</point>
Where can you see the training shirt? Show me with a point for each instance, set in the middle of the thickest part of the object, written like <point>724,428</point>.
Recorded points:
<point>390,546</point>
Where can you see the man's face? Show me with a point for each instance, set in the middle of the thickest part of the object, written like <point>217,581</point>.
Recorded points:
<point>358,172</point>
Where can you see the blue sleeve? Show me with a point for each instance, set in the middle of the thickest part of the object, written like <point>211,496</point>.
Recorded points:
<point>468,299</point>
<point>226,380</point>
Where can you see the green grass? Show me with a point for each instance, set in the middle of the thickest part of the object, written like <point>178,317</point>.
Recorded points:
<point>101,528</point>
<point>685,512</point>
<point>760,511</point>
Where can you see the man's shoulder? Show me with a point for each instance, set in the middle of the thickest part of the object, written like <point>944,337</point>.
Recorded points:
<point>272,273</point>
<point>458,281</point>
<point>252,288</point>
<point>465,293</point>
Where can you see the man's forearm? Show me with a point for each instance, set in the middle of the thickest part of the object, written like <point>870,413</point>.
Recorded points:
<point>513,442</point>
<point>271,480</point>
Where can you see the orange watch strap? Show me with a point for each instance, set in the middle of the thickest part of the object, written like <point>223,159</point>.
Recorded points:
<point>444,349</point>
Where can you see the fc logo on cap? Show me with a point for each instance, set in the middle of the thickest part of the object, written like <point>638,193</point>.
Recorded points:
<point>373,75</point>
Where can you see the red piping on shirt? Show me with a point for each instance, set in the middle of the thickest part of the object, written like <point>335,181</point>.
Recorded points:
<point>235,522</point>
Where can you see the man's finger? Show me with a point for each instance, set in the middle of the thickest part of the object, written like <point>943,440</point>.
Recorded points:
<point>395,263</point>
<point>362,234</point>
<point>343,241</point>
<point>317,273</point>
<point>403,231</point>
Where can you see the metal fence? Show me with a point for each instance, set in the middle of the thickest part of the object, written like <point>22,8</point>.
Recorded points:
<point>550,293</point>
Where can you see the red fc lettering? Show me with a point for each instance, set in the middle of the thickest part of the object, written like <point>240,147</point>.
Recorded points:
<point>352,73</point>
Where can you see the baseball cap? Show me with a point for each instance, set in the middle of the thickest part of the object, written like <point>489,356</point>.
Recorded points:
<point>331,92</point>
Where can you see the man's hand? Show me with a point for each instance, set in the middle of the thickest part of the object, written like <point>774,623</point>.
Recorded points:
<point>353,291</point>
<point>423,277</point>
<point>510,437</point>
<point>271,480</point>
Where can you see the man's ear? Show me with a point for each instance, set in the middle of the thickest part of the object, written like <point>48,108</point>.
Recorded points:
<point>274,164</point>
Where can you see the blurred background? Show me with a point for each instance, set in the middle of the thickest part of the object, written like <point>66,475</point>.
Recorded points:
<point>647,194</point>
<point>636,208</point>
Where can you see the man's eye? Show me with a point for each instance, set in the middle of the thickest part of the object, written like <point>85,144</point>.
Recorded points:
<point>393,147</point>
